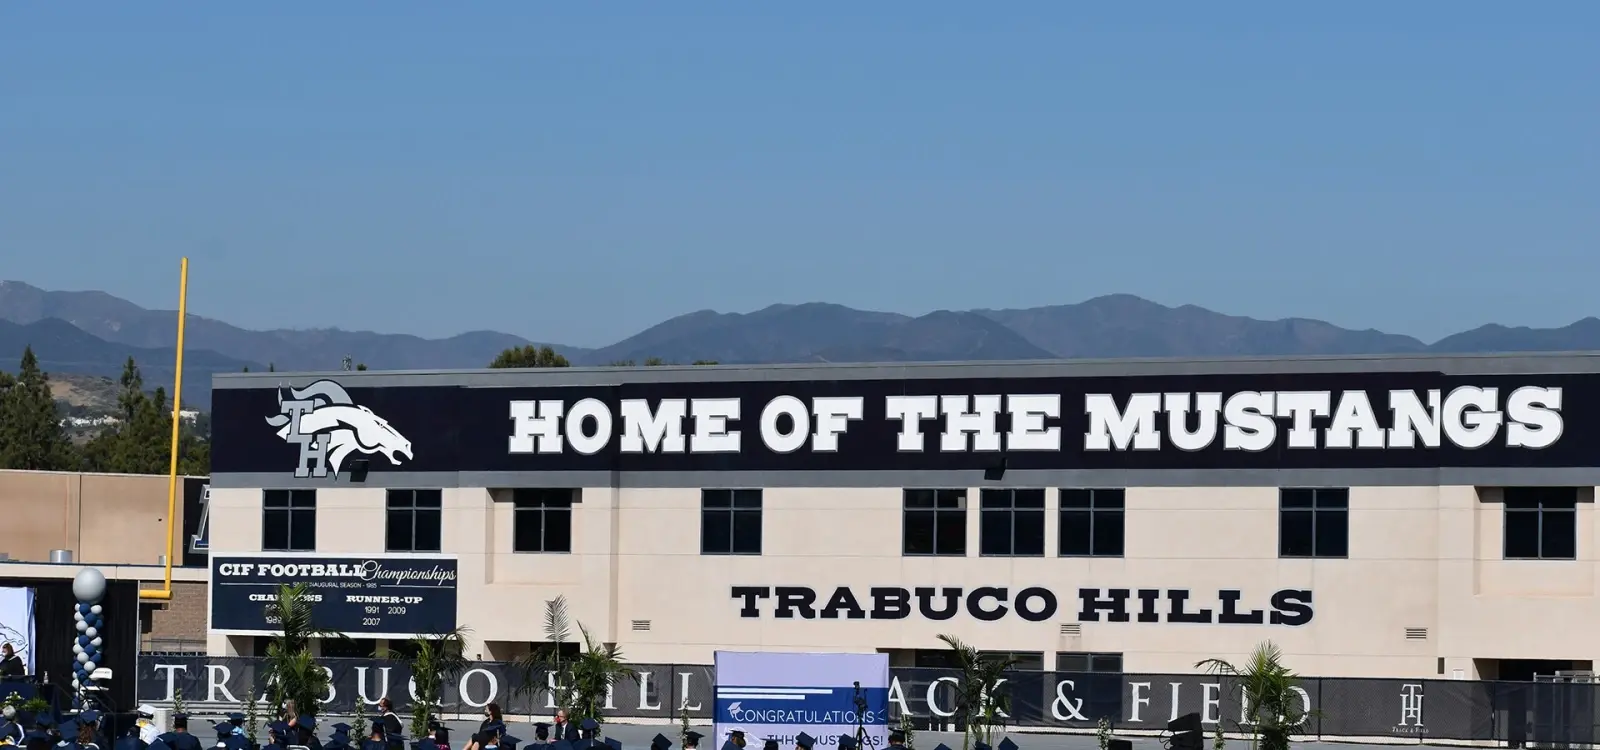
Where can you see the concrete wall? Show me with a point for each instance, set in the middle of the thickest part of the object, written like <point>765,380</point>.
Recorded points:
<point>105,519</point>
<point>1421,558</point>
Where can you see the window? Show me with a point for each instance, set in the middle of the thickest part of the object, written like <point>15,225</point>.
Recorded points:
<point>935,523</point>
<point>1092,522</point>
<point>349,648</point>
<point>730,522</point>
<point>413,521</point>
<point>1087,663</point>
<point>1011,523</point>
<point>1314,522</point>
<point>1022,661</point>
<point>1541,523</point>
<point>289,521</point>
<point>543,520</point>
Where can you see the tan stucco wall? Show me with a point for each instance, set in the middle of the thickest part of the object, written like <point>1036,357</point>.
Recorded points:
<point>105,519</point>
<point>1420,557</point>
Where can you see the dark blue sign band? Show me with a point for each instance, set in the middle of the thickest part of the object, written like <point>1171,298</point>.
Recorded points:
<point>374,596</point>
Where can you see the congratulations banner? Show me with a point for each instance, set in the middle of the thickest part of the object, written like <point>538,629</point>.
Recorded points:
<point>384,596</point>
<point>16,622</point>
<point>778,696</point>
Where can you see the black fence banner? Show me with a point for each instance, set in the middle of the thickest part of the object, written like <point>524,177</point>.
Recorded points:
<point>1420,710</point>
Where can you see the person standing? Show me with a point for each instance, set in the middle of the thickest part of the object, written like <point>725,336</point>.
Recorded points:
<point>179,738</point>
<point>148,732</point>
<point>391,721</point>
<point>11,666</point>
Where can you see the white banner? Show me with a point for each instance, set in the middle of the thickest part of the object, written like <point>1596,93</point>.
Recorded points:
<point>778,696</point>
<point>16,622</point>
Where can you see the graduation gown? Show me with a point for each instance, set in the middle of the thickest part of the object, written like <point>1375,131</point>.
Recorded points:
<point>130,742</point>
<point>181,741</point>
<point>13,731</point>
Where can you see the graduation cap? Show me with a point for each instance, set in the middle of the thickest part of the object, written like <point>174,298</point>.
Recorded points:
<point>846,742</point>
<point>435,724</point>
<point>306,721</point>
<point>897,736</point>
<point>146,711</point>
<point>508,742</point>
<point>981,746</point>
<point>589,725</point>
<point>180,720</point>
<point>660,742</point>
<point>282,727</point>
<point>771,744</point>
<point>224,729</point>
<point>692,736</point>
<point>541,730</point>
<point>1007,744</point>
<point>613,743</point>
<point>805,741</point>
<point>236,717</point>
<point>942,746</point>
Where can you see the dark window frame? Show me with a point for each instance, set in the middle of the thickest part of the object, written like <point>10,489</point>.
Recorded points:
<point>1093,662</point>
<point>937,509</point>
<point>1097,518</point>
<point>296,512</point>
<point>730,518</point>
<point>1553,511</point>
<point>1012,508</point>
<point>547,505</point>
<point>421,512</point>
<point>1321,515</point>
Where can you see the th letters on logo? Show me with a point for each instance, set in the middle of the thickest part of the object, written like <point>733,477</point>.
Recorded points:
<point>329,427</point>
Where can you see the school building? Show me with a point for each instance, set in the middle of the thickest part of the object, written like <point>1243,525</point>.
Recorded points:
<point>1373,516</point>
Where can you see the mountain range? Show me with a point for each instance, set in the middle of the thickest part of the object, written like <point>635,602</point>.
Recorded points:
<point>94,333</point>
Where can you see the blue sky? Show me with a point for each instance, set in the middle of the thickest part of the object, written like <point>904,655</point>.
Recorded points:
<point>578,171</point>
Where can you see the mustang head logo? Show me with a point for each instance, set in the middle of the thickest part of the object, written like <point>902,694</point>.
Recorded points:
<point>329,427</point>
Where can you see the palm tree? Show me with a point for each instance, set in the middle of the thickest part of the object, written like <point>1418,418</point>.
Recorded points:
<point>434,660</point>
<point>580,682</point>
<point>292,673</point>
<point>1269,695</point>
<point>590,676</point>
<point>979,702</point>
<point>538,665</point>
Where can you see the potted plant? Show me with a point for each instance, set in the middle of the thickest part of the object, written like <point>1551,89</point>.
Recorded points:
<point>434,661</point>
<point>979,701</point>
<point>1270,698</point>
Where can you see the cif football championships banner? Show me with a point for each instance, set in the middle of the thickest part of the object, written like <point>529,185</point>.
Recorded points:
<point>16,622</point>
<point>778,696</point>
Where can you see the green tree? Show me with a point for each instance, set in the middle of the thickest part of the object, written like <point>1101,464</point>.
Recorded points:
<point>578,682</point>
<point>141,441</point>
<point>31,435</point>
<point>1268,690</point>
<point>292,673</point>
<point>434,661</point>
<point>529,356</point>
<point>980,705</point>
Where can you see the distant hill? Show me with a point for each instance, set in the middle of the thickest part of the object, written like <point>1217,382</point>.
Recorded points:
<point>119,321</point>
<point>92,333</point>
<point>63,348</point>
